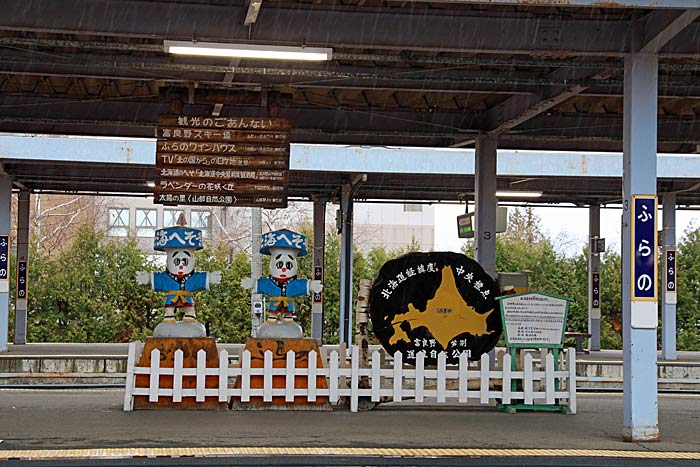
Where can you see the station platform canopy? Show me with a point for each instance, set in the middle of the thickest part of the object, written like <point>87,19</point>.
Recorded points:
<point>118,165</point>
<point>537,74</point>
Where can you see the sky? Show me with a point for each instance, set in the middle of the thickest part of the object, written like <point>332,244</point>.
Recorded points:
<point>566,226</point>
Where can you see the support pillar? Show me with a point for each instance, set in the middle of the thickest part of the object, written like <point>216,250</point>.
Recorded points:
<point>257,305</point>
<point>5,225</point>
<point>22,261</point>
<point>346,259</point>
<point>485,197</point>
<point>318,264</point>
<point>641,418</point>
<point>594,309</point>
<point>668,292</point>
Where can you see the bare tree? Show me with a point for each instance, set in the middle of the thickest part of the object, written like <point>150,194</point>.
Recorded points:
<point>54,218</point>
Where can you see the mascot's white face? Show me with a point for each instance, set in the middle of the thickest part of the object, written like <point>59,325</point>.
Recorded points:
<point>180,261</point>
<point>283,263</point>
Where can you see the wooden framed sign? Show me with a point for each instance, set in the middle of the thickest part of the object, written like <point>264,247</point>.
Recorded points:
<point>222,161</point>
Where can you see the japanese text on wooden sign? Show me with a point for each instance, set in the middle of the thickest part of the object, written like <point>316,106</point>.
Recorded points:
<point>21,280</point>
<point>644,274</point>
<point>4,263</point>
<point>222,161</point>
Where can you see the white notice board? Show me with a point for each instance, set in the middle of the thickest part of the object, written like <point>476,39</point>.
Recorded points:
<point>534,319</point>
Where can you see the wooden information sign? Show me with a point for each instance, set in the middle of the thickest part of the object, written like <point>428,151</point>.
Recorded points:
<point>222,161</point>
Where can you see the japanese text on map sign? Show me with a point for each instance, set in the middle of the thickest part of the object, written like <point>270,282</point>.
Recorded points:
<point>222,161</point>
<point>401,276</point>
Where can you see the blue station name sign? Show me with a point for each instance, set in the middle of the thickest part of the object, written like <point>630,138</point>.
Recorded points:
<point>644,246</point>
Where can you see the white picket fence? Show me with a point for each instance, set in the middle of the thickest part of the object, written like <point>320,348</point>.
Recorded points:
<point>379,381</point>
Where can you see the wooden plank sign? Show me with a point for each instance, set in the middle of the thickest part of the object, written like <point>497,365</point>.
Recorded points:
<point>222,161</point>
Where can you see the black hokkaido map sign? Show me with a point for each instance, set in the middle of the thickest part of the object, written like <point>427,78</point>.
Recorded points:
<point>222,161</point>
<point>430,302</point>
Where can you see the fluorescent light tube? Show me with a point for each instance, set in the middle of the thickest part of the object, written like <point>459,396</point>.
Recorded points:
<point>271,52</point>
<point>518,194</point>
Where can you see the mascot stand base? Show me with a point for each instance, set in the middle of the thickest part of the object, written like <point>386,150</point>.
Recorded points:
<point>189,347</point>
<point>279,348</point>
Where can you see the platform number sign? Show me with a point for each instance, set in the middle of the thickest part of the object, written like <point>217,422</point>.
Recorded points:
<point>595,291</point>
<point>4,263</point>
<point>21,280</point>
<point>644,273</point>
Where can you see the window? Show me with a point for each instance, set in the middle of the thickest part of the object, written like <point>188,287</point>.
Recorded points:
<point>118,222</point>
<point>146,222</point>
<point>171,216</point>
<point>200,220</point>
<point>412,207</point>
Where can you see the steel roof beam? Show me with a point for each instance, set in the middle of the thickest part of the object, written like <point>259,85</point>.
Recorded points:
<point>660,4</point>
<point>516,111</point>
<point>472,32</point>
<point>319,124</point>
<point>659,31</point>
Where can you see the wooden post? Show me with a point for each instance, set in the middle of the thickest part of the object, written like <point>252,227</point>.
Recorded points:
<point>362,322</point>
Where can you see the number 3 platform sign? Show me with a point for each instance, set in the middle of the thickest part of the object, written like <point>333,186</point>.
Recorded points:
<point>644,269</point>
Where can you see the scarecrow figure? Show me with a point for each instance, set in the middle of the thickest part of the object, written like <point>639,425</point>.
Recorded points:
<point>180,280</point>
<point>282,284</point>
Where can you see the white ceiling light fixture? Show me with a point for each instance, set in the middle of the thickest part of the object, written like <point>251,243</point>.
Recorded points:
<point>518,194</point>
<point>268,52</point>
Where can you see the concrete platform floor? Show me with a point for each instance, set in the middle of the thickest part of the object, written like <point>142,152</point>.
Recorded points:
<point>84,419</point>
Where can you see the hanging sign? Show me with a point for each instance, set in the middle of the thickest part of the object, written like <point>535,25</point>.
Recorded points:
<point>670,278</point>
<point>534,320</point>
<point>4,263</point>
<point>433,302</point>
<point>222,161</point>
<point>644,274</point>
<point>465,229</point>
<point>21,280</point>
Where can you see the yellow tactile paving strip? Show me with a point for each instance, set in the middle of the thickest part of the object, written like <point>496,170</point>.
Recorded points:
<point>122,453</point>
